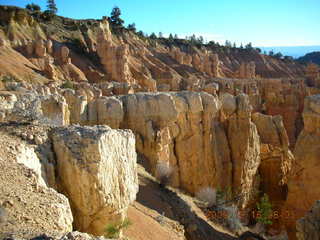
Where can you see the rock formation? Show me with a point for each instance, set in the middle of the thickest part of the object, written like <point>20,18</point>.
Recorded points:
<point>162,123</point>
<point>313,75</point>
<point>303,183</point>
<point>28,106</point>
<point>308,227</point>
<point>285,98</point>
<point>64,54</point>
<point>247,70</point>
<point>276,160</point>
<point>40,49</point>
<point>96,169</point>
<point>245,148</point>
<point>215,134</point>
<point>165,124</point>
<point>114,58</point>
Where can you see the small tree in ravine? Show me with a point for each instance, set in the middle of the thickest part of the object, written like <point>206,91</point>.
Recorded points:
<point>52,7</point>
<point>264,210</point>
<point>116,21</point>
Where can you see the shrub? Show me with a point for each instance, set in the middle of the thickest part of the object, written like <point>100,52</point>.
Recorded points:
<point>233,220</point>
<point>164,173</point>
<point>264,210</point>
<point>8,78</point>
<point>47,15</point>
<point>207,195</point>
<point>224,196</point>
<point>113,230</point>
<point>67,84</point>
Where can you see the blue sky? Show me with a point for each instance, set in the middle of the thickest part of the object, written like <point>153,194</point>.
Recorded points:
<point>264,22</point>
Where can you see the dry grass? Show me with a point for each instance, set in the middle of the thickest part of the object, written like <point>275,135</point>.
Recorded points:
<point>164,173</point>
<point>207,195</point>
<point>233,219</point>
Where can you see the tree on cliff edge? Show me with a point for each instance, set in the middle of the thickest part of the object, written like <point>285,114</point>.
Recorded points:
<point>116,21</point>
<point>33,7</point>
<point>52,7</point>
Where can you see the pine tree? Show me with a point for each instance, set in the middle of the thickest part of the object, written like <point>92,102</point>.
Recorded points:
<point>140,33</point>
<point>33,7</point>
<point>249,46</point>
<point>201,40</point>
<point>228,44</point>
<point>132,27</point>
<point>115,17</point>
<point>264,210</point>
<point>160,35</point>
<point>278,55</point>
<point>271,53</point>
<point>52,7</point>
<point>193,39</point>
<point>153,36</point>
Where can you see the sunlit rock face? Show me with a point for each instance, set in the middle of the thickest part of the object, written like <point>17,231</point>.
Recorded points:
<point>97,171</point>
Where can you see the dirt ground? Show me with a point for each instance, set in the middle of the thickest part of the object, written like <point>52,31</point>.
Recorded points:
<point>157,211</point>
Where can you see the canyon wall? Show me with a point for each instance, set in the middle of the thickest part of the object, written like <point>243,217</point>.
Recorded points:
<point>207,140</point>
<point>303,182</point>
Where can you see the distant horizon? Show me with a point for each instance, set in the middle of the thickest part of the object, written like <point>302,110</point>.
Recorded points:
<point>316,45</point>
<point>285,23</point>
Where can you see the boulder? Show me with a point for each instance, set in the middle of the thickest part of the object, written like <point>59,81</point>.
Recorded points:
<point>97,171</point>
<point>64,54</point>
<point>40,48</point>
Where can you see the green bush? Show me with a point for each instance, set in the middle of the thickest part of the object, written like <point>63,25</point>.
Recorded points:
<point>208,195</point>
<point>67,84</point>
<point>8,78</point>
<point>47,15</point>
<point>113,230</point>
<point>264,210</point>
